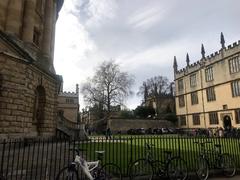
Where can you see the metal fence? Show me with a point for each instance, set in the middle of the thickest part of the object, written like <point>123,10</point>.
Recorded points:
<point>43,158</point>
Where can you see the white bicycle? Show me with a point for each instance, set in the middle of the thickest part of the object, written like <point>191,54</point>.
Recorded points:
<point>92,170</point>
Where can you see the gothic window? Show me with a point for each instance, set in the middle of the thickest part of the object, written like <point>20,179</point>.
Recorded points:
<point>196,119</point>
<point>181,101</point>
<point>234,64</point>
<point>209,74</point>
<point>213,118</point>
<point>193,80</point>
<point>210,94</point>
<point>194,98</point>
<point>180,84</point>
<point>235,88</point>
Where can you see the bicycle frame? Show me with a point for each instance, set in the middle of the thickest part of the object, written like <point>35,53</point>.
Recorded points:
<point>150,159</point>
<point>86,166</point>
<point>216,152</point>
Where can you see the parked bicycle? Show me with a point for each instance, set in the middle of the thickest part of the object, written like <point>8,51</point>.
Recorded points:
<point>93,170</point>
<point>172,167</point>
<point>220,160</point>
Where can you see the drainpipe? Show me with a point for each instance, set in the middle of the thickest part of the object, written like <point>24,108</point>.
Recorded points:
<point>203,103</point>
<point>185,89</point>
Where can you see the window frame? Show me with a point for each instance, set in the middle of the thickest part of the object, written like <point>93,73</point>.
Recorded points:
<point>209,74</point>
<point>180,85</point>
<point>181,101</point>
<point>235,87</point>
<point>194,98</point>
<point>213,118</point>
<point>210,93</point>
<point>196,118</point>
<point>237,116</point>
<point>234,64</point>
<point>193,80</point>
<point>182,118</point>
<point>69,101</point>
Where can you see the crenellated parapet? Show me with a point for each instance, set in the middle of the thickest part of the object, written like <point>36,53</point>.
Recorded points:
<point>68,94</point>
<point>224,52</point>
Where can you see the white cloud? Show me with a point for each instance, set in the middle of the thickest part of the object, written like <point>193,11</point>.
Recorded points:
<point>143,36</point>
<point>96,12</point>
<point>146,17</point>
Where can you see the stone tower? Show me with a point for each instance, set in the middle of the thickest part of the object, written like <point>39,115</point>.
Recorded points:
<point>28,83</point>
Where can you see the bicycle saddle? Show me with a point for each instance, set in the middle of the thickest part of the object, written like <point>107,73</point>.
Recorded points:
<point>100,152</point>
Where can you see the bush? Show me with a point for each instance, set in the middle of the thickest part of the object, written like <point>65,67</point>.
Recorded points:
<point>171,117</point>
<point>144,112</point>
<point>126,114</point>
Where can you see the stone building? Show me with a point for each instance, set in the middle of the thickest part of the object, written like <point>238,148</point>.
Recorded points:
<point>208,91</point>
<point>68,104</point>
<point>165,104</point>
<point>28,83</point>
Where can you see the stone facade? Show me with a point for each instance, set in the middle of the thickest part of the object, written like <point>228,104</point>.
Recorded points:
<point>68,104</point>
<point>165,104</point>
<point>29,85</point>
<point>208,91</point>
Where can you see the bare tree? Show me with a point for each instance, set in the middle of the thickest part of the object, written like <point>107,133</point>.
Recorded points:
<point>108,87</point>
<point>156,87</point>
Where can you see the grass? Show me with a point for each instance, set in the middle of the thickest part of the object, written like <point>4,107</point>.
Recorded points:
<point>123,150</point>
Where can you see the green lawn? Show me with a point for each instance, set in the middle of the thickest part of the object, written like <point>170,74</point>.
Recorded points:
<point>125,149</point>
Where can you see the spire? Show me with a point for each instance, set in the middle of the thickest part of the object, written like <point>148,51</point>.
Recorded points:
<point>203,51</point>
<point>222,40</point>
<point>77,88</point>
<point>187,60</point>
<point>175,66</point>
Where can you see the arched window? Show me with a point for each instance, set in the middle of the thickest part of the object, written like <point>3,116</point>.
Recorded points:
<point>39,108</point>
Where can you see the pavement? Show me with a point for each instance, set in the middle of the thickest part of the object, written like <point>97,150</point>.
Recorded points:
<point>236,177</point>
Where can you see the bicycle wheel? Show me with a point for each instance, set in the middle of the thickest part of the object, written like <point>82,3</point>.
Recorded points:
<point>68,173</point>
<point>202,169</point>
<point>110,171</point>
<point>177,169</point>
<point>228,165</point>
<point>159,170</point>
<point>141,169</point>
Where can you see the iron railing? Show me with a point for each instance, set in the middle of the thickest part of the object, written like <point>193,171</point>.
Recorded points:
<point>43,158</point>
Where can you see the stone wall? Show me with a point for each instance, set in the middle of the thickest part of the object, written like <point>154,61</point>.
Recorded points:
<point>69,105</point>
<point>126,124</point>
<point>17,100</point>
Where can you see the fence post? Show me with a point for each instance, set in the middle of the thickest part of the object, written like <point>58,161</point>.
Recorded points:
<point>2,159</point>
<point>179,146</point>
<point>131,139</point>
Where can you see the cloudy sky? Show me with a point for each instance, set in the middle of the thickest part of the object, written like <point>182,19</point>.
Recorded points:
<point>140,35</point>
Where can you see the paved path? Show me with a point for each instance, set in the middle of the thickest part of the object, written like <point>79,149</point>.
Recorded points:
<point>237,177</point>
